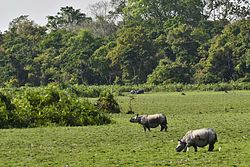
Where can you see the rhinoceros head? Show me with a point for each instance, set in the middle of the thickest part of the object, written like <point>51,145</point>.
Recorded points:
<point>135,119</point>
<point>181,145</point>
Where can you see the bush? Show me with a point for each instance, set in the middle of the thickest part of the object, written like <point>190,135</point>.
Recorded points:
<point>6,108</point>
<point>107,103</point>
<point>34,107</point>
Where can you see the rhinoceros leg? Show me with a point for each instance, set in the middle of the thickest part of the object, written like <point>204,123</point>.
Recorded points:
<point>211,147</point>
<point>163,126</point>
<point>195,148</point>
<point>145,128</point>
<point>212,140</point>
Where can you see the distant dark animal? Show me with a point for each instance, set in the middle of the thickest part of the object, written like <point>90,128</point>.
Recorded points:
<point>151,121</point>
<point>140,91</point>
<point>133,91</point>
<point>197,138</point>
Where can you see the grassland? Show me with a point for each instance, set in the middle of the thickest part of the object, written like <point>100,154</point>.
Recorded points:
<point>125,144</point>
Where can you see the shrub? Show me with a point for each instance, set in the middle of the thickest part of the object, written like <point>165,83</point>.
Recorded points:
<point>6,109</point>
<point>34,107</point>
<point>107,103</point>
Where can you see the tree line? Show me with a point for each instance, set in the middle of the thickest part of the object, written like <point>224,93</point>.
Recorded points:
<point>131,42</point>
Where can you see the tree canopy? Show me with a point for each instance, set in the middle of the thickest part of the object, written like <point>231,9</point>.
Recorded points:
<point>130,42</point>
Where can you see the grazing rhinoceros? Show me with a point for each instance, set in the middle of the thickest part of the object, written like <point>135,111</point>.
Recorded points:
<point>197,138</point>
<point>140,91</point>
<point>151,121</point>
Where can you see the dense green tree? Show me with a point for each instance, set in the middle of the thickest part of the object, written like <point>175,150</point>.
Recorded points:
<point>157,12</point>
<point>183,44</point>
<point>68,18</point>
<point>101,64</point>
<point>134,54</point>
<point>75,59</point>
<point>229,54</point>
<point>190,41</point>
<point>49,59</point>
<point>171,72</point>
<point>20,44</point>
<point>4,75</point>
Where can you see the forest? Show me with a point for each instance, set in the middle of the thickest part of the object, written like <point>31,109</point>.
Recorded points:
<point>130,42</point>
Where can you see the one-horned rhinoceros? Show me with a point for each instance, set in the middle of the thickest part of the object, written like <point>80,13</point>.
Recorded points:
<point>151,121</point>
<point>197,138</point>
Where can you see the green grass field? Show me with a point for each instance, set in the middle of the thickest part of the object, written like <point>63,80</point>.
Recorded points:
<point>126,144</point>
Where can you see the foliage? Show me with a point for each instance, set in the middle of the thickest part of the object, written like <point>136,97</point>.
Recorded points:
<point>228,55</point>
<point>47,106</point>
<point>125,41</point>
<point>20,45</point>
<point>183,44</point>
<point>101,64</point>
<point>134,55</point>
<point>107,103</point>
<point>49,59</point>
<point>75,60</point>
<point>171,72</point>
<point>157,12</point>
<point>67,18</point>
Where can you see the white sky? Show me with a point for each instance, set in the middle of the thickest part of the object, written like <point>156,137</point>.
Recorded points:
<point>37,9</point>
